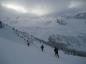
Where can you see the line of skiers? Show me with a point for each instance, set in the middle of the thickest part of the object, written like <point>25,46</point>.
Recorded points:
<point>55,50</point>
<point>42,46</point>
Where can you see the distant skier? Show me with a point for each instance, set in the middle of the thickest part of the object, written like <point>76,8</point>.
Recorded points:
<point>28,43</point>
<point>0,24</point>
<point>56,51</point>
<point>42,48</point>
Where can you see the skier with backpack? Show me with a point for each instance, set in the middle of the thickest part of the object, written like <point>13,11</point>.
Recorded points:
<point>56,51</point>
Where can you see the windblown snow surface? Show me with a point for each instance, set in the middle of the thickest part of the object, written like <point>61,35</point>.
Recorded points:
<point>13,50</point>
<point>73,32</point>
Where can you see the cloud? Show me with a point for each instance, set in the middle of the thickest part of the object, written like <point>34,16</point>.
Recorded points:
<point>15,7</point>
<point>76,4</point>
<point>48,6</point>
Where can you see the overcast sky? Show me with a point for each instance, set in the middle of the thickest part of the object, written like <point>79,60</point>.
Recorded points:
<point>47,6</point>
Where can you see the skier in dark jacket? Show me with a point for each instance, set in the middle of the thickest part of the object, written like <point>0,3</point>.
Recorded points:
<point>42,48</point>
<point>28,43</point>
<point>56,51</point>
<point>0,24</point>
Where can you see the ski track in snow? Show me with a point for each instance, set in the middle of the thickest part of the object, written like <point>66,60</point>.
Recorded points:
<point>13,53</point>
<point>13,50</point>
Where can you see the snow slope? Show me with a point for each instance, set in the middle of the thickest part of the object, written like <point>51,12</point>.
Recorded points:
<point>9,34</point>
<point>73,32</point>
<point>14,50</point>
<point>13,53</point>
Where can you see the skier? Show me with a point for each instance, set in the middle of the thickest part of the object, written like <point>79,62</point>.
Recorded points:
<point>42,48</point>
<point>0,24</point>
<point>56,51</point>
<point>28,43</point>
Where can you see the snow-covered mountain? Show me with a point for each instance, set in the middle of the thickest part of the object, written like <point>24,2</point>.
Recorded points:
<point>64,26</point>
<point>14,49</point>
<point>71,31</point>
